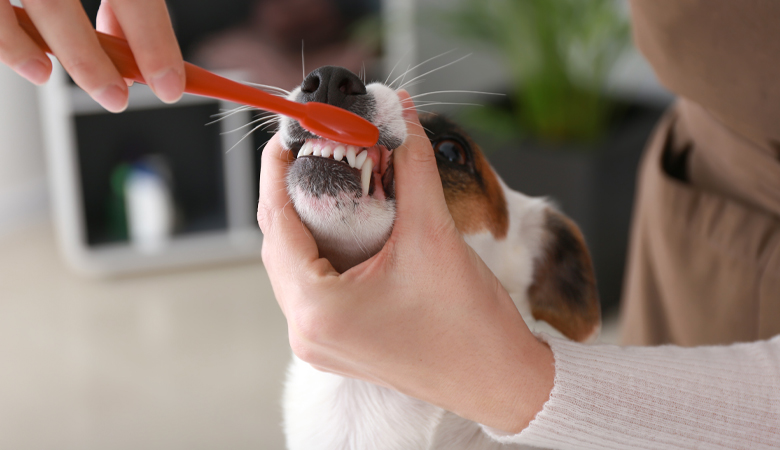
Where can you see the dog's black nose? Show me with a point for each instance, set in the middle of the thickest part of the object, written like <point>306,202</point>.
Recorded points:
<point>333,85</point>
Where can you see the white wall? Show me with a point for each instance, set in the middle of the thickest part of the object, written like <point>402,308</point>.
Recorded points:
<point>23,189</point>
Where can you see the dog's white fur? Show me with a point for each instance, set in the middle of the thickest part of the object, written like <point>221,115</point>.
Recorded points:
<point>326,411</point>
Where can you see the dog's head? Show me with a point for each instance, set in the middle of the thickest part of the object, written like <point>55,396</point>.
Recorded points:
<point>346,197</point>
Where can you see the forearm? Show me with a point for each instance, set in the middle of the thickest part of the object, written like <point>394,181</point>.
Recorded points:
<point>660,397</point>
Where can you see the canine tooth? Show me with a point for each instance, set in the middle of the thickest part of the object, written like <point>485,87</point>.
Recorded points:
<point>360,159</point>
<point>326,151</point>
<point>306,149</point>
<point>339,152</point>
<point>365,175</point>
<point>317,151</point>
<point>351,153</point>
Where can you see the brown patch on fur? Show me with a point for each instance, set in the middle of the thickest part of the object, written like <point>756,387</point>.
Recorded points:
<point>480,206</point>
<point>473,194</point>
<point>564,292</point>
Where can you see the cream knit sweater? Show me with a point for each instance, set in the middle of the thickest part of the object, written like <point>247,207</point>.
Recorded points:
<point>609,397</point>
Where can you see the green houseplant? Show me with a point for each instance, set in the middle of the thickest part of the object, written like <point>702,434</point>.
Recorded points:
<point>558,54</point>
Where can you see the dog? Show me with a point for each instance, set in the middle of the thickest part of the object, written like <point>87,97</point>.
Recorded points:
<point>346,197</point>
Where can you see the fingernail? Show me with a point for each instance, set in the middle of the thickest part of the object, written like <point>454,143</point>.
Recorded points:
<point>34,70</point>
<point>112,97</point>
<point>167,86</point>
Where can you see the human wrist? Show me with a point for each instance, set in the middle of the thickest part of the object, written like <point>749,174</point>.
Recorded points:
<point>515,389</point>
<point>532,388</point>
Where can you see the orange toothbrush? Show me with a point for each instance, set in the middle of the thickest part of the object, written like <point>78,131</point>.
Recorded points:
<point>321,119</point>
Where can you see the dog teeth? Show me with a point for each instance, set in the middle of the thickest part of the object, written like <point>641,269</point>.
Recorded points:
<point>351,154</point>
<point>361,158</point>
<point>365,173</point>
<point>306,149</point>
<point>339,152</point>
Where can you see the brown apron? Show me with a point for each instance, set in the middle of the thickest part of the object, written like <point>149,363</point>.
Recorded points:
<point>704,262</point>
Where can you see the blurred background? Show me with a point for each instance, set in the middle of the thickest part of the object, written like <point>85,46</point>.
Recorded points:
<point>134,310</point>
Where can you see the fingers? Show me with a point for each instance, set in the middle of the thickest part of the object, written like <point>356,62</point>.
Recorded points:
<point>147,27</point>
<point>106,23</point>
<point>65,27</point>
<point>18,51</point>
<point>287,244</point>
<point>419,193</point>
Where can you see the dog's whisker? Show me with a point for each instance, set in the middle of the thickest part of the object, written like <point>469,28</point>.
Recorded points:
<point>244,137</point>
<point>232,110</point>
<point>264,118</point>
<point>456,91</point>
<point>415,123</point>
<point>408,68</point>
<point>449,103</point>
<point>418,65</point>
<point>262,146</point>
<point>274,118</point>
<point>303,62</point>
<point>394,66</point>
<point>357,241</point>
<point>224,115</point>
<point>434,70</point>
<point>267,86</point>
<point>412,84</point>
<point>268,126</point>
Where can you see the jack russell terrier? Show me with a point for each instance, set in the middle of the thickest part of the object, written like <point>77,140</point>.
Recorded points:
<point>345,196</point>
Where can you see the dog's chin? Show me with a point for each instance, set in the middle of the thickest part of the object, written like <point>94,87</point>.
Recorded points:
<point>349,210</point>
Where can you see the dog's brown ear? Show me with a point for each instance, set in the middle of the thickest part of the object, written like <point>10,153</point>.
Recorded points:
<point>563,292</point>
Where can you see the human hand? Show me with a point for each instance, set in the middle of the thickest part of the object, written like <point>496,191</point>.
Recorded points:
<point>65,27</point>
<point>424,316</point>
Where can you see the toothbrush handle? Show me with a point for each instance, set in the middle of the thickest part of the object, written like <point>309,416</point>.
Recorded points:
<point>321,119</point>
<point>199,81</point>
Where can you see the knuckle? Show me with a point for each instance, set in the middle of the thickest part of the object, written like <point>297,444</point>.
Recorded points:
<point>309,326</point>
<point>90,72</point>
<point>269,254</point>
<point>317,325</point>
<point>423,155</point>
<point>304,350</point>
<point>264,217</point>
<point>265,253</point>
<point>419,153</point>
<point>82,66</point>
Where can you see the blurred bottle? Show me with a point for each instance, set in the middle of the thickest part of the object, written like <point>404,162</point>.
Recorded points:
<point>149,205</point>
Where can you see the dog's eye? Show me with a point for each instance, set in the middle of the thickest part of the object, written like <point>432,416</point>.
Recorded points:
<point>451,151</point>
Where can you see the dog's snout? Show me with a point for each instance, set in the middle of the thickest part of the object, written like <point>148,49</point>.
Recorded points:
<point>333,85</point>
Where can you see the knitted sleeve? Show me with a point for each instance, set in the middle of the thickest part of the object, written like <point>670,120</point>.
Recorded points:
<point>609,397</point>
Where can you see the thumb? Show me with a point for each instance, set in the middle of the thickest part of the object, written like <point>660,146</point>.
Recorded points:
<point>418,190</point>
<point>287,244</point>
